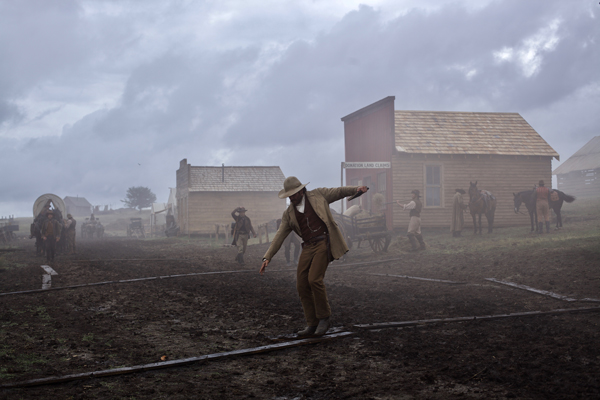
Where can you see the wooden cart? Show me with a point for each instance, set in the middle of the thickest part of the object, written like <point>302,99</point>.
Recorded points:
<point>372,229</point>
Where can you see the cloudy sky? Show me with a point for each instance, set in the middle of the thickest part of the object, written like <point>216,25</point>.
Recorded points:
<point>98,96</point>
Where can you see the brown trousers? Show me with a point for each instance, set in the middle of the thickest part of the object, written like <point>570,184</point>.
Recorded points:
<point>312,266</point>
<point>242,243</point>
<point>70,237</point>
<point>543,210</point>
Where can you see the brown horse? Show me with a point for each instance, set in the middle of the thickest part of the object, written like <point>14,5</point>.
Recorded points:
<point>481,202</point>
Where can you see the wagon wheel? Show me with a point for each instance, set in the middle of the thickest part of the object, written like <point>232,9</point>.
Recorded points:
<point>380,243</point>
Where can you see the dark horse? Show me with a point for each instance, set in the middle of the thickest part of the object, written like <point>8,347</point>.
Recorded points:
<point>481,202</point>
<point>526,197</point>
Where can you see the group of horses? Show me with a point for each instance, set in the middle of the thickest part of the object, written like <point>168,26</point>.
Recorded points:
<point>483,202</point>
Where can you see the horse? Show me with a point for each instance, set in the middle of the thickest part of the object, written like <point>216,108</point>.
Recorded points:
<point>527,197</point>
<point>481,202</point>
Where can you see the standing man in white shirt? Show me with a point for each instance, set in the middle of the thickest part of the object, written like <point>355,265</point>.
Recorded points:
<point>414,225</point>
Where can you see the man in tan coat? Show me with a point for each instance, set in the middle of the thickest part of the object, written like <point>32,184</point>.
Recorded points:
<point>458,209</point>
<point>310,217</point>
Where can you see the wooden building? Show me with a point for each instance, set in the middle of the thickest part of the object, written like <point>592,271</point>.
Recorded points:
<point>437,152</point>
<point>77,206</point>
<point>579,175</point>
<point>207,195</point>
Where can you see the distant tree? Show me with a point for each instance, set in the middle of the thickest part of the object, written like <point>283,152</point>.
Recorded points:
<point>139,197</point>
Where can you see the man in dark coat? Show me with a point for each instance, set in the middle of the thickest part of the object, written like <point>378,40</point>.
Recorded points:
<point>50,235</point>
<point>241,232</point>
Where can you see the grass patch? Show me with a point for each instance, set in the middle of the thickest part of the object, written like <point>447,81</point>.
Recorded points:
<point>89,337</point>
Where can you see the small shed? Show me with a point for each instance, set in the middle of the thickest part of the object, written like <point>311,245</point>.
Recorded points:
<point>437,152</point>
<point>158,215</point>
<point>579,175</point>
<point>206,196</point>
<point>77,205</point>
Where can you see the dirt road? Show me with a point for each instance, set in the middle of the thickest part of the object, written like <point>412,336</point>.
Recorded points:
<point>54,333</point>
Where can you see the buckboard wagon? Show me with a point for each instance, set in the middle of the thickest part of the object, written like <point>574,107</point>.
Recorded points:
<point>136,227</point>
<point>372,229</point>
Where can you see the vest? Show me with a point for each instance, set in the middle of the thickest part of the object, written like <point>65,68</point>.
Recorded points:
<point>416,212</point>
<point>310,224</point>
<point>241,224</point>
<point>542,193</point>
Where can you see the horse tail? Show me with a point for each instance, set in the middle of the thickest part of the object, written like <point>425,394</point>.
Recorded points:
<point>566,197</point>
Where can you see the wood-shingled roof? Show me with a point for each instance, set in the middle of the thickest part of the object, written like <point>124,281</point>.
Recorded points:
<point>77,201</point>
<point>236,179</point>
<point>588,157</point>
<point>441,132</point>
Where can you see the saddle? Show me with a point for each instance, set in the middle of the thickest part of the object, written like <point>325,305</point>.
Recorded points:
<point>487,197</point>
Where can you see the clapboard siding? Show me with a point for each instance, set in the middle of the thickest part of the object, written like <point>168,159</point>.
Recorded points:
<point>580,183</point>
<point>209,208</point>
<point>502,175</point>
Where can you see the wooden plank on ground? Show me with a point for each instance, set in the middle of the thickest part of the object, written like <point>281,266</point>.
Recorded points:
<point>174,363</point>
<point>383,325</point>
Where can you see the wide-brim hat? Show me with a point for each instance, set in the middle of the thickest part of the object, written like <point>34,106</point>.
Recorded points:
<point>49,212</point>
<point>461,191</point>
<point>291,186</point>
<point>241,209</point>
<point>416,192</point>
<point>69,216</point>
<point>541,182</point>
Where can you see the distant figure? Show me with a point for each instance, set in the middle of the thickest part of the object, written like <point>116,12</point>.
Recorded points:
<point>241,232</point>
<point>414,225</point>
<point>542,206</point>
<point>292,239</point>
<point>70,225</point>
<point>458,219</point>
<point>92,218</point>
<point>50,235</point>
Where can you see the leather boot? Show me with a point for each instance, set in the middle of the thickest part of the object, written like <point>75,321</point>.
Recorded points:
<point>242,259</point>
<point>309,330</point>
<point>421,241</point>
<point>540,227</point>
<point>547,226</point>
<point>413,242</point>
<point>323,327</point>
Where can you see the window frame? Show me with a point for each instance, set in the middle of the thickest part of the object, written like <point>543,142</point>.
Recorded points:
<point>439,185</point>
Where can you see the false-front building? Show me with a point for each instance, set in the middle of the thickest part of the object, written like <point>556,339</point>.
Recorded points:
<point>207,195</point>
<point>438,152</point>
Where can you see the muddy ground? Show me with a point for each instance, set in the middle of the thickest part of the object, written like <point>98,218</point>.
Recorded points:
<point>83,329</point>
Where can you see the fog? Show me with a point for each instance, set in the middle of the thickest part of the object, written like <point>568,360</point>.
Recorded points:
<point>97,97</point>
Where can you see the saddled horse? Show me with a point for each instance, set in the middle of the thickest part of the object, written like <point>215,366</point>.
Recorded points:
<point>481,202</point>
<point>527,197</point>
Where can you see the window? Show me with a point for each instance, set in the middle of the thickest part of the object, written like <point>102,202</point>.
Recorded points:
<point>354,182</point>
<point>433,185</point>
<point>366,198</point>
<point>382,183</point>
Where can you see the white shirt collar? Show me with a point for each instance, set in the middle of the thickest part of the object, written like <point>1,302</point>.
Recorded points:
<point>300,207</point>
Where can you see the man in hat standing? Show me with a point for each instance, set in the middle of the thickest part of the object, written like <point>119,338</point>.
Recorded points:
<point>458,219</point>
<point>309,216</point>
<point>414,225</point>
<point>50,235</point>
<point>243,227</point>
<point>542,206</point>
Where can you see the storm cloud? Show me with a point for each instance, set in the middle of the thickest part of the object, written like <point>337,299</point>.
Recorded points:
<point>99,97</point>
